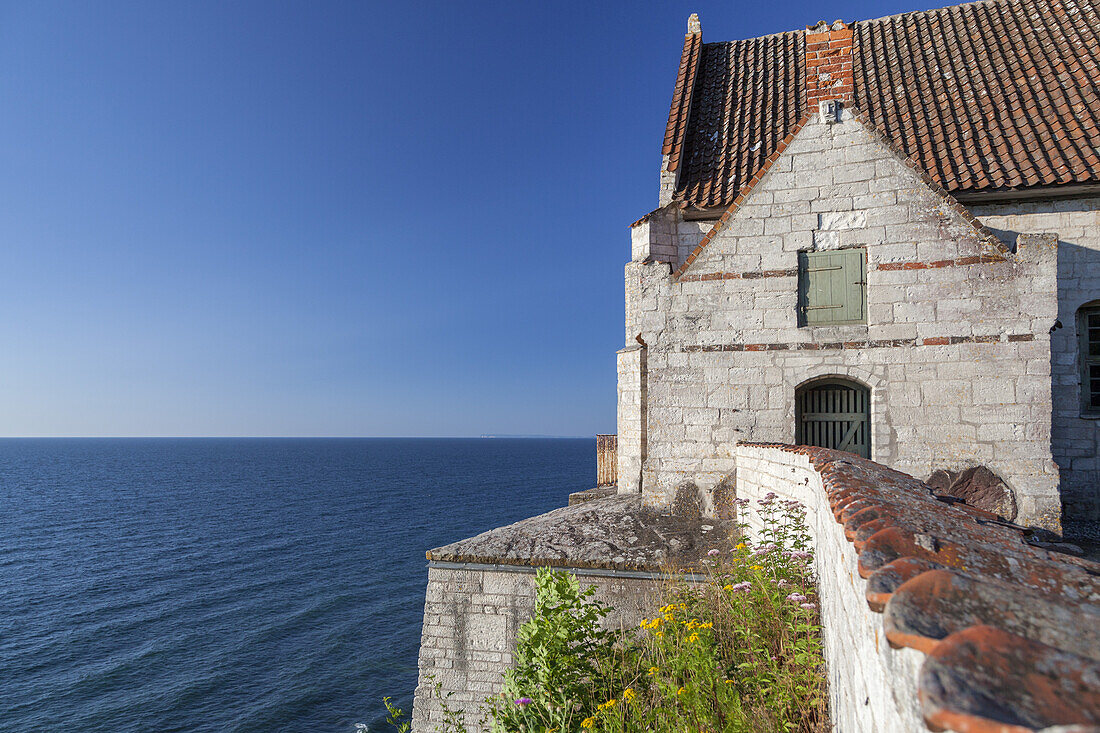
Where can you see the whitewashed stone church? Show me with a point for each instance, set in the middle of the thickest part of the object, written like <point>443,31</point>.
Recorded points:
<point>882,237</point>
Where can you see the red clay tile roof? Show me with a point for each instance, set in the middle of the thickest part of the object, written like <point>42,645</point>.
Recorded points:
<point>681,100</point>
<point>1011,630</point>
<point>987,96</point>
<point>747,98</point>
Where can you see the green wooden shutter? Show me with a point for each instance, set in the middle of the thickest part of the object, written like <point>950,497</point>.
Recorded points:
<point>832,288</point>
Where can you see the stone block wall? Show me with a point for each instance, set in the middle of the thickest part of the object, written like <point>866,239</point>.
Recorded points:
<point>471,616</point>
<point>631,367</point>
<point>1075,441</point>
<point>955,351</point>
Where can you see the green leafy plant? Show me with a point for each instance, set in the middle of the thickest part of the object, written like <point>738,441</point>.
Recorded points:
<point>738,650</point>
<point>562,660</point>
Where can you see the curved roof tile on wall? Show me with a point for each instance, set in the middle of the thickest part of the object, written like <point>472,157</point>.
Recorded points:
<point>1011,631</point>
<point>991,95</point>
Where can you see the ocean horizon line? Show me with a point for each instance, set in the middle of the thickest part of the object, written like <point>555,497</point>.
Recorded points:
<point>299,437</point>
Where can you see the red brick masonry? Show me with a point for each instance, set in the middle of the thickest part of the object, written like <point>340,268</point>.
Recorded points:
<point>828,64</point>
<point>1011,631</point>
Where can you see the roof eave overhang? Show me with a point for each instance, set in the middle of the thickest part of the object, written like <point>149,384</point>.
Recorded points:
<point>1031,193</point>
<point>691,212</point>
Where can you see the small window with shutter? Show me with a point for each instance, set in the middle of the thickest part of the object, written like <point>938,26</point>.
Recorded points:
<point>832,287</point>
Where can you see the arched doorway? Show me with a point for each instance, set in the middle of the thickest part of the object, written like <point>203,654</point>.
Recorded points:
<point>834,413</point>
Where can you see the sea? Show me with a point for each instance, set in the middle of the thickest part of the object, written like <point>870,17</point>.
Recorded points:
<point>239,584</point>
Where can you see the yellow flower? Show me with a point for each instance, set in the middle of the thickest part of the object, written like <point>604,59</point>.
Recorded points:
<point>693,637</point>
<point>707,625</point>
<point>757,567</point>
<point>653,671</point>
<point>741,545</point>
<point>660,634</point>
<point>628,695</point>
<point>588,722</point>
<point>605,705</point>
<point>669,617</point>
<point>727,587</point>
<point>729,682</point>
<point>681,691</point>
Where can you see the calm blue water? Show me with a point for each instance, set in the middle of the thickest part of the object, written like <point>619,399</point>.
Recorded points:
<point>238,585</point>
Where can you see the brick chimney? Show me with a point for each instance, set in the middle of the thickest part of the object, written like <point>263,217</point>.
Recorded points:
<point>829,74</point>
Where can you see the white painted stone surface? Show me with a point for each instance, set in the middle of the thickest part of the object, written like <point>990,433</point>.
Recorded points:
<point>1075,441</point>
<point>932,406</point>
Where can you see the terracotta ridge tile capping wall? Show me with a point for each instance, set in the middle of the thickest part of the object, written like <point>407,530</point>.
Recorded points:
<point>987,237</point>
<point>1011,630</point>
<point>741,196</point>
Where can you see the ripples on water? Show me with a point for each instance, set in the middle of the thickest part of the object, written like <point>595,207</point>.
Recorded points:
<point>238,585</point>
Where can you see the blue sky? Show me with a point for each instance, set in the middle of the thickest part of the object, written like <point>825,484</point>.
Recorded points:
<point>341,218</point>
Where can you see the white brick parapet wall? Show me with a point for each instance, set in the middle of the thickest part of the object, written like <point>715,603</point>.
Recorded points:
<point>871,686</point>
<point>934,613</point>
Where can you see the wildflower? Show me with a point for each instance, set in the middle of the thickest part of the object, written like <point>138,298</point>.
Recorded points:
<point>757,567</point>
<point>783,583</point>
<point>796,597</point>
<point>740,587</point>
<point>524,701</point>
<point>653,671</point>
<point>741,546</point>
<point>729,682</point>
<point>712,553</point>
<point>809,606</point>
<point>802,554</point>
<point>660,634</point>
<point>694,637</point>
<point>681,691</point>
<point>588,722</point>
<point>628,695</point>
<point>707,625</point>
<point>768,499</point>
<point>605,705</point>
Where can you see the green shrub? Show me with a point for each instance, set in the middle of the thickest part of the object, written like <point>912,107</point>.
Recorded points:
<point>739,651</point>
<point>562,659</point>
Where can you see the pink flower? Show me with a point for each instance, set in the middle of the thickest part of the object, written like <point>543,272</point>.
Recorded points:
<point>712,553</point>
<point>524,701</point>
<point>809,606</point>
<point>796,597</point>
<point>783,583</point>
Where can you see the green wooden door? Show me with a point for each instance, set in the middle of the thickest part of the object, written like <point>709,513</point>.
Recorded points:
<point>835,414</point>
